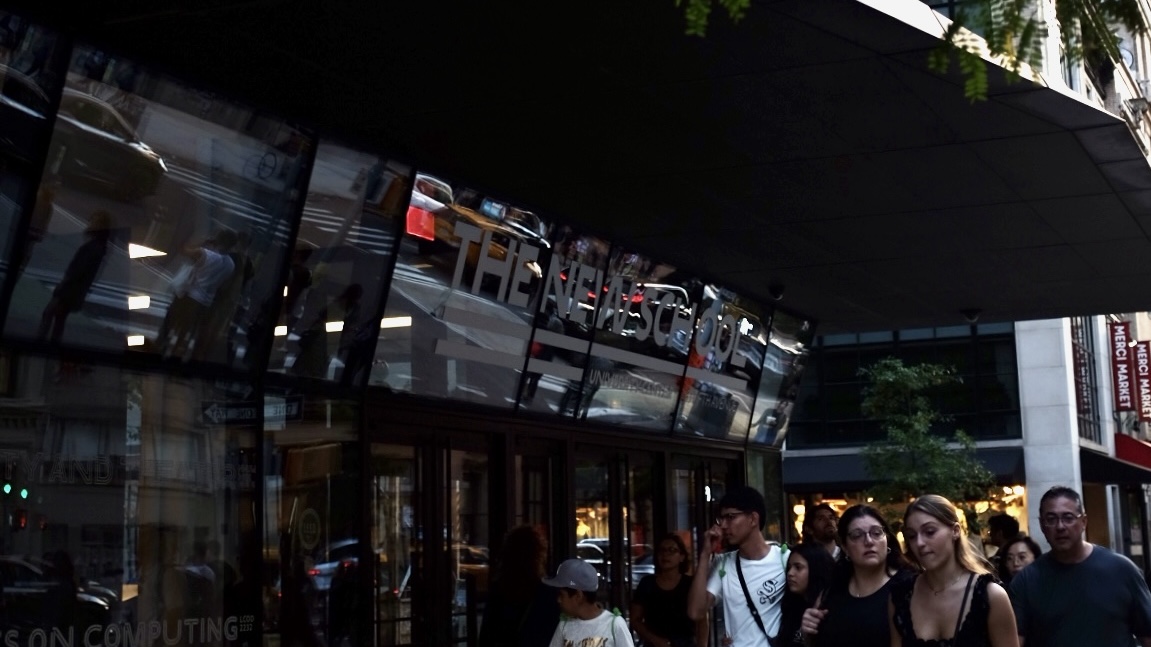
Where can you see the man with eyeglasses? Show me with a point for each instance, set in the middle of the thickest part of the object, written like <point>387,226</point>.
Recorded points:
<point>821,526</point>
<point>750,581</point>
<point>1078,593</point>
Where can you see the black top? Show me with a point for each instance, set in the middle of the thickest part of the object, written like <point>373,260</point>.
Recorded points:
<point>665,612</point>
<point>857,622</point>
<point>520,623</point>
<point>973,630</point>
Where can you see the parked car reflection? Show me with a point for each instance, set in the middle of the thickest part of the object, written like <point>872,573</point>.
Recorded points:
<point>94,142</point>
<point>32,595</point>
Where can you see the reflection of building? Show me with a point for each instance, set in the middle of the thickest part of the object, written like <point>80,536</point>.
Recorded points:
<point>1036,396</point>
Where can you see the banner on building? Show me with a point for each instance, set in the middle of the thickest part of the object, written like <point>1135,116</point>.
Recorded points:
<point>1121,378</point>
<point>1142,365</point>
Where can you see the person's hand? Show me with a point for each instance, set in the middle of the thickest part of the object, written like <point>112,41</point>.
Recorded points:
<point>811,619</point>
<point>713,540</point>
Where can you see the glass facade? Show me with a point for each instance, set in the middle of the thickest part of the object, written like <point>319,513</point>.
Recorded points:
<point>985,404</point>
<point>262,387</point>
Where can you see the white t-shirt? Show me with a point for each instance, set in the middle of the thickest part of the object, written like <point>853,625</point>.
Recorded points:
<point>604,630</point>
<point>766,582</point>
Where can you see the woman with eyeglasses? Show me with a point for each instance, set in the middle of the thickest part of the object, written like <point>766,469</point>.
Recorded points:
<point>659,605</point>
<point>809,569</point>
<point>955,600</point>
<point>1014,555</point>
<point>853,611</point>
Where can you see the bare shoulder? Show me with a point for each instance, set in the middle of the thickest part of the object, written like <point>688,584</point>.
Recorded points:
<point>996,594</point>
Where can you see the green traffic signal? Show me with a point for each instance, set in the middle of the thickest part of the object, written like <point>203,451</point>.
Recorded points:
<point>7,488</point>
<point>23,493</point>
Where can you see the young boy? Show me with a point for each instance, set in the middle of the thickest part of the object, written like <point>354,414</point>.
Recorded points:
<point>583,622</point>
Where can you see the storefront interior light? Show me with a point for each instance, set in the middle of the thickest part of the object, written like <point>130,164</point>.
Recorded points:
<point>139,303</point>
<point>139,251</point>
<point>396,322</point>
<point>135,340</point>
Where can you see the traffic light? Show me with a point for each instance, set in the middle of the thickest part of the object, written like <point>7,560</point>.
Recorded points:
<point>19,519</point>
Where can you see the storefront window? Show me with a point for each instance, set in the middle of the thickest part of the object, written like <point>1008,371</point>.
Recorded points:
<point>171,211</point>
<point>329,320</point>
<point>127,511</point>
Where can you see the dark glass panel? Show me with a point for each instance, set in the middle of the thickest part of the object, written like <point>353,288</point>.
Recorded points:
<point>173,210</point>
<point>31,58</point>
<point>126,507</point>
<point>328,323</point>
<point>643,340</point>
<point>734,353</point>
<point>784,370</point>
<point>462,300</point>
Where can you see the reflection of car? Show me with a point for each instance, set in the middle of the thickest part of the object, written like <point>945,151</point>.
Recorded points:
<point>472,562</point>
<point>24,108</point>
<point>93,141</point>
<point>595,552</point>
<point>429,197</point>
<point>28,587</point>
<point>342,551</point>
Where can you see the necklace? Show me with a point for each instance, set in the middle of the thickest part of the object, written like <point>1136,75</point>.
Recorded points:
<point>935,591</point>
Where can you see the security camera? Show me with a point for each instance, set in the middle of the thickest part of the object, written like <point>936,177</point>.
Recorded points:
<point>971,314</point>
<point>775,290</point>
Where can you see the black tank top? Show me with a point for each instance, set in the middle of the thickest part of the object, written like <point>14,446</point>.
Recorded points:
<point>857,622</point>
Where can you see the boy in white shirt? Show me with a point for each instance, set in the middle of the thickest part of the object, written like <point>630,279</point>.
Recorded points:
<point>584,623</point>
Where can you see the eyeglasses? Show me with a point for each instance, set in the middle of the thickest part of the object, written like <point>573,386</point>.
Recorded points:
<point>876,533</point>
<point>727,517</point>
<point>1065,519</point>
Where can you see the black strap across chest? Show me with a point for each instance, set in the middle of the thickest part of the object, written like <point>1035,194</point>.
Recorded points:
<point>747,595</point>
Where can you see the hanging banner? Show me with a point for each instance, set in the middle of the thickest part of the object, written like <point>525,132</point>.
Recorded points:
<point>1120,333</point>
<point>1142,365</point>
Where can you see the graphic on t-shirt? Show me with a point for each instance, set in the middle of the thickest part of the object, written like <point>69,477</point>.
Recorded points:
<point>771,591</point>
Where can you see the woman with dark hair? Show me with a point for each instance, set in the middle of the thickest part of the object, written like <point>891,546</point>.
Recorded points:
<point>809,569</point>
<point>659,606</point>
<point>521,611</point>
<point>955,600</point>
<point>853,611</point>
<point>1015,554</point>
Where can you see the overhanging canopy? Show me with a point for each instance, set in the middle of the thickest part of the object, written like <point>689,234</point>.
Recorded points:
<point>848,473</point>
<point>808,145</point>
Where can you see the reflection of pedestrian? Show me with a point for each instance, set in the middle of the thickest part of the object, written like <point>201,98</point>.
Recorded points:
<point>299,280</point>
<point>59,610</point>
<point>195,290</point>
<point>313,358</point>
<point>68,297</point>
<point>521,611</point>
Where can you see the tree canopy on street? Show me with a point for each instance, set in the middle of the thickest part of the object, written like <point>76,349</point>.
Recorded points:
<point>911,460</point>
<point>1010,30</point>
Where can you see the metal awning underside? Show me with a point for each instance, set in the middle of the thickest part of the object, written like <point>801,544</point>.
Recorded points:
<point>809,144</point>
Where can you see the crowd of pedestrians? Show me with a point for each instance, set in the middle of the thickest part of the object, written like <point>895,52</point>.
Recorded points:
<point>848,584</point>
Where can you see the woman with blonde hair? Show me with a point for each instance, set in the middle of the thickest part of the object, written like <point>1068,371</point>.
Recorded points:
<point>956,599</point>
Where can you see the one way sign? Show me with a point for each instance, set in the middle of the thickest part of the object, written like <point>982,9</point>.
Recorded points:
<point>246,413</point>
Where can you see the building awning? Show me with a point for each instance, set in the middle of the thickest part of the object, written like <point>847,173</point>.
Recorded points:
<point>847,473</point>
<point>1100,468</point>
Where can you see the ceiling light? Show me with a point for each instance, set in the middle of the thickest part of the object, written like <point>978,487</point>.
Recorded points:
<point>139,303</point>
<point>396,322</point>
<point>280,331</point>
<point>135,340</point>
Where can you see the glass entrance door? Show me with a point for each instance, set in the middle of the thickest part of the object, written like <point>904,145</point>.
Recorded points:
<point>430,527</point>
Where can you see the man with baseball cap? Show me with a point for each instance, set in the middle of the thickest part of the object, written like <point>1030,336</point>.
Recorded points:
<point>583,620</point>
